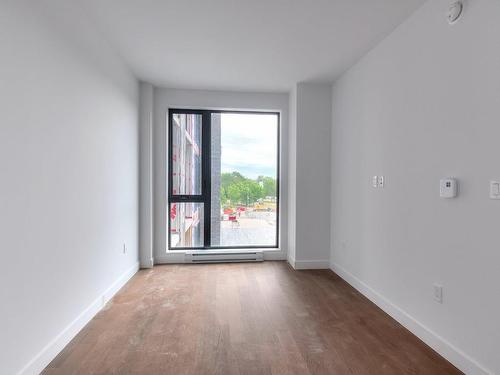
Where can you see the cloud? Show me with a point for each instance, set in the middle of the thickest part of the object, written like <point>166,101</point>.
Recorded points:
<point>249,144</point>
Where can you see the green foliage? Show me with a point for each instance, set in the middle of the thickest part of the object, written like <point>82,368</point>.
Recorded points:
<point>239,190</point>
<point>268,185</point>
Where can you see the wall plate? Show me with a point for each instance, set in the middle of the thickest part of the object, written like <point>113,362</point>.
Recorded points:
<point>494,189</point>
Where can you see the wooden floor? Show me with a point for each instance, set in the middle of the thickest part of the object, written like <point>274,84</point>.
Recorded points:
<point>259,318</point>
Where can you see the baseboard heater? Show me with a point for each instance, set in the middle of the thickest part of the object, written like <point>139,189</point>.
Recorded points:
<point>211,256</point>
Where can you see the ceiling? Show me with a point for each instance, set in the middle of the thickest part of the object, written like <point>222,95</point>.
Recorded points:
<point>250,45</point>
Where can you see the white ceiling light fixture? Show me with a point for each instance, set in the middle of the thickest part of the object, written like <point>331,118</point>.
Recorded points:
<point>455,11</point>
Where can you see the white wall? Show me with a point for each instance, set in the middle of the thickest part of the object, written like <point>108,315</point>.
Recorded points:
<point>421,106</point>
<point>165,98</point>
<point>292,175</point>
<point>69,172</point>
<point>310,178</point>
<point>146,97</point>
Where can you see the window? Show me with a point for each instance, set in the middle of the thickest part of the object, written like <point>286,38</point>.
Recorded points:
<point>223,189</point>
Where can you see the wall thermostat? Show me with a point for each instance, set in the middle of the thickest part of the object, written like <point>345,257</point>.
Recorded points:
<point>455,11</point>
<point>448,188</point>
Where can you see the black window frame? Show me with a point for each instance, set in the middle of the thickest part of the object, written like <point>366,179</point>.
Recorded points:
<point>206,164</point>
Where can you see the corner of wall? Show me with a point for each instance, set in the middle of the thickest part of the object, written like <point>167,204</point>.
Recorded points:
<point>146,207</point>
<point>457,357</point>
<point>52,349</point>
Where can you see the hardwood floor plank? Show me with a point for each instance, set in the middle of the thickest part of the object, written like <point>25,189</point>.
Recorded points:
<point>249,318</point>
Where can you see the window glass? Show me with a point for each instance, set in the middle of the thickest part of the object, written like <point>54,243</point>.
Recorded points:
<point>186,154</point>
<point>244,150</point>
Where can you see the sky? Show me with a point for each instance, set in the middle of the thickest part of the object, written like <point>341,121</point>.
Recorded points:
<point>249,144</point>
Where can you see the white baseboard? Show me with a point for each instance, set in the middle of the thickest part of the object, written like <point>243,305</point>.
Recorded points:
<point>274,255</point>
<point>309,264</point>
<point>52,349</point>
<point>170,257</point>
<point>458,358</point>
<point>147,263</point>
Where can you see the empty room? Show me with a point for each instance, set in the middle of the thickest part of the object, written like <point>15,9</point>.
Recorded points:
<point>239,187</point>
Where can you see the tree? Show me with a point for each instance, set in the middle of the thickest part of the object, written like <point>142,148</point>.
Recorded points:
<point>237,189</point>
<point>253,190</point>
<point>268,186</point>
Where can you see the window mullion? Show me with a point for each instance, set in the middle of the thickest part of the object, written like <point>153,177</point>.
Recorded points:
<point>206,174</point>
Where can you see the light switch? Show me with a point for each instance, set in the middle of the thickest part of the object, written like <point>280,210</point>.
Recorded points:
<point>378,181</point>
<point>381,181</point>
<point>494,189</point>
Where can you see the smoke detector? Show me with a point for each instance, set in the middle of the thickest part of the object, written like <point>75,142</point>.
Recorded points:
<point>455,11</point>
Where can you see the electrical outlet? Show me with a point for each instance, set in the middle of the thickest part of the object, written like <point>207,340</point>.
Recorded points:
<point>124,248</point>
<point>438,293</point>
